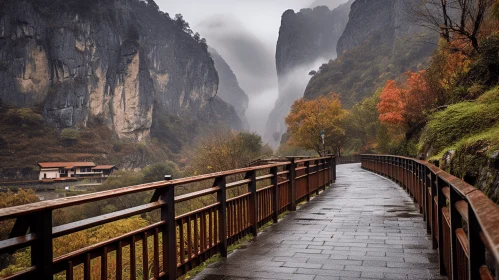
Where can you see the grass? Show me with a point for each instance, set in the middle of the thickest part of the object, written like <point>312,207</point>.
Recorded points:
<point>463,123</point>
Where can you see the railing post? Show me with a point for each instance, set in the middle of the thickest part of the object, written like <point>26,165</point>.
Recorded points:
<point>275,198</point>
<point>477,249</point>
<point>324,174</point>
<point>220,182</point>
<point>434,214</point>
<point>41,252</point>
<point>169,232</point>
<point>440,221</point>
<point>307,171</point>
<point>334,168</point>
<point>292,184</point>
<point>455,223</point>
<point>253,202</point>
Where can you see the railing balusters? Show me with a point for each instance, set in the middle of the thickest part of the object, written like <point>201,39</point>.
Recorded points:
<point>253,202</point>
<point>222,215</point>
<point>119,261</point>
<point>41,251</point>
<point>156,254</point>
<point>455,223</point>
<point>145,256</point>
<point>133,264</point>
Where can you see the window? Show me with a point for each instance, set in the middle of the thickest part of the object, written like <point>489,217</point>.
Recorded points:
<point>63,171</point>
<point>86,169</point>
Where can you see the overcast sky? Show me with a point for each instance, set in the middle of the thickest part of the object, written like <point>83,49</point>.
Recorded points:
<point>261,17</point>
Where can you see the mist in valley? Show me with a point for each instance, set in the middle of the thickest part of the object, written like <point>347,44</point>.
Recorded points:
<point>245,34</point>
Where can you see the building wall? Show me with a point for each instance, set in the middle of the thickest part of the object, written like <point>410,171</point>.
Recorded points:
<point>51,173</point>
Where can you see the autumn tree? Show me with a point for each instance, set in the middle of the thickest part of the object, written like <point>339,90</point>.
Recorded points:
<point>308,118</point>
<point>224,149</point>
<point>362,126</point>
<point>391,105</point>
<point>454,19</point>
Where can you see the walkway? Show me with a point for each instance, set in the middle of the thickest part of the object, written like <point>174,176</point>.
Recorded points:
<point>364,227</point>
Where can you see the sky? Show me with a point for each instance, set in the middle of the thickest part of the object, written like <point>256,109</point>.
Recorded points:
<point>245,33</point>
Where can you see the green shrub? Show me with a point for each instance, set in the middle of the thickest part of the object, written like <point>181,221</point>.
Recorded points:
<point>70,135</point>
<point>24,116</point>
<point>462,120</point>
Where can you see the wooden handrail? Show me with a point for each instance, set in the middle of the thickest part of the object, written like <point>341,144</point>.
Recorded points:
<point>433,188</point>
<point>200,233</point>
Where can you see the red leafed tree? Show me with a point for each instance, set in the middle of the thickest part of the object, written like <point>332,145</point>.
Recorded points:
<point>406,106</point>
<point>417,98</point>
<point>391,105</point>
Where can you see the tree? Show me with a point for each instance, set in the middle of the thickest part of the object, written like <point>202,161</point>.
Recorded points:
<point>197,37</point>
<point>391,105</point>
<point>182,24</point>
<point>204,44</point>
<point>454,19</point>
<point>70,135</point>
<point>309,117</point>
<point>362,125</point>
<point>224,149</point>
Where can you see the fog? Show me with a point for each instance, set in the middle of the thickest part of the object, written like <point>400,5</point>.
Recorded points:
<point>245,33</point>
<point>293,84</point>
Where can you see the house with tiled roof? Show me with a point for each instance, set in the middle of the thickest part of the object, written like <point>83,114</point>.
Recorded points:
<point>66,170</point>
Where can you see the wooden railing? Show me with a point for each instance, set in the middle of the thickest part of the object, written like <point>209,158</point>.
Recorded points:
<point>462,220</point>
<point>242,200</point>
<point>348,159</point>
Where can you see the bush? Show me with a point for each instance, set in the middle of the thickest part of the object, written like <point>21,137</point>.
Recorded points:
<point>24,116</point>
<point>70,135</point>
<point>462,120</point>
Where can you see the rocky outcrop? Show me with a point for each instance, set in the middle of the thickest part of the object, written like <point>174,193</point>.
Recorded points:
<point>380,42</point>
<point>380,22</point>
<point>229,89</point>
<point>306,39</point>
<point>123,62</point>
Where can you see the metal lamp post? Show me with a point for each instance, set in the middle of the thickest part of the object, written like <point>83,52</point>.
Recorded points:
<point>323,135</point>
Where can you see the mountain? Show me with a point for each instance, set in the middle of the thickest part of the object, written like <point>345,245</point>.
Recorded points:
<point>123,62</point>
<point>249,58</point>
<point>229,89</point>
<point>306,39</point>
<point>380,42</point>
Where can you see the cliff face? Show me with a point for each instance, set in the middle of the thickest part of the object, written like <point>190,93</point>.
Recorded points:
<point>379,43</point>
<point>305,39</point>
<point>379,22</point>
<point>124,62</point>
<point>229,89</point>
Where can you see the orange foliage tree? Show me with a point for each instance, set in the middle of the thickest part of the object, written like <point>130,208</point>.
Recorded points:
<point>309,117</point>
<point>407,105</point>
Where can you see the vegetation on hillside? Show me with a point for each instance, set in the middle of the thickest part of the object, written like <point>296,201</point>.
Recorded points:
<point>446,111</point>
<point>222,150</point>
<point>310,119</point>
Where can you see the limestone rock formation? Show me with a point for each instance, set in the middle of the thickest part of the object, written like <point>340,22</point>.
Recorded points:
<point>306,39</point>
<point>380,42</point>
<point>229,89</point>
<point>122,61</point>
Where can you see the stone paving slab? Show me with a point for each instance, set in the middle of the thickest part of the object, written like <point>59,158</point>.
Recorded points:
<point>363,227</point>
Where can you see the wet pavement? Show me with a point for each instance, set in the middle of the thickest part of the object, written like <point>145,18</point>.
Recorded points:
<point>363,227</point>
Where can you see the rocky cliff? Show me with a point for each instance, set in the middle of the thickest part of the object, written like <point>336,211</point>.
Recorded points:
<point>229,89</point>
<point>306,38</point>
<point>380,42</point>
<point>379,22</point>
<point>123,62</point>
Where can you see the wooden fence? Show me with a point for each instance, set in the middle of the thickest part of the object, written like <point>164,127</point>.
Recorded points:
<point>462,220</point>
<point>176,243</point>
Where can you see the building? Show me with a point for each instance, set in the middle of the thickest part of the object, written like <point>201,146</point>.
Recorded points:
<point>66,170</point>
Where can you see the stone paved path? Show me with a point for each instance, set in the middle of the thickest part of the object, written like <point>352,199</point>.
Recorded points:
<point>364,227</point>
